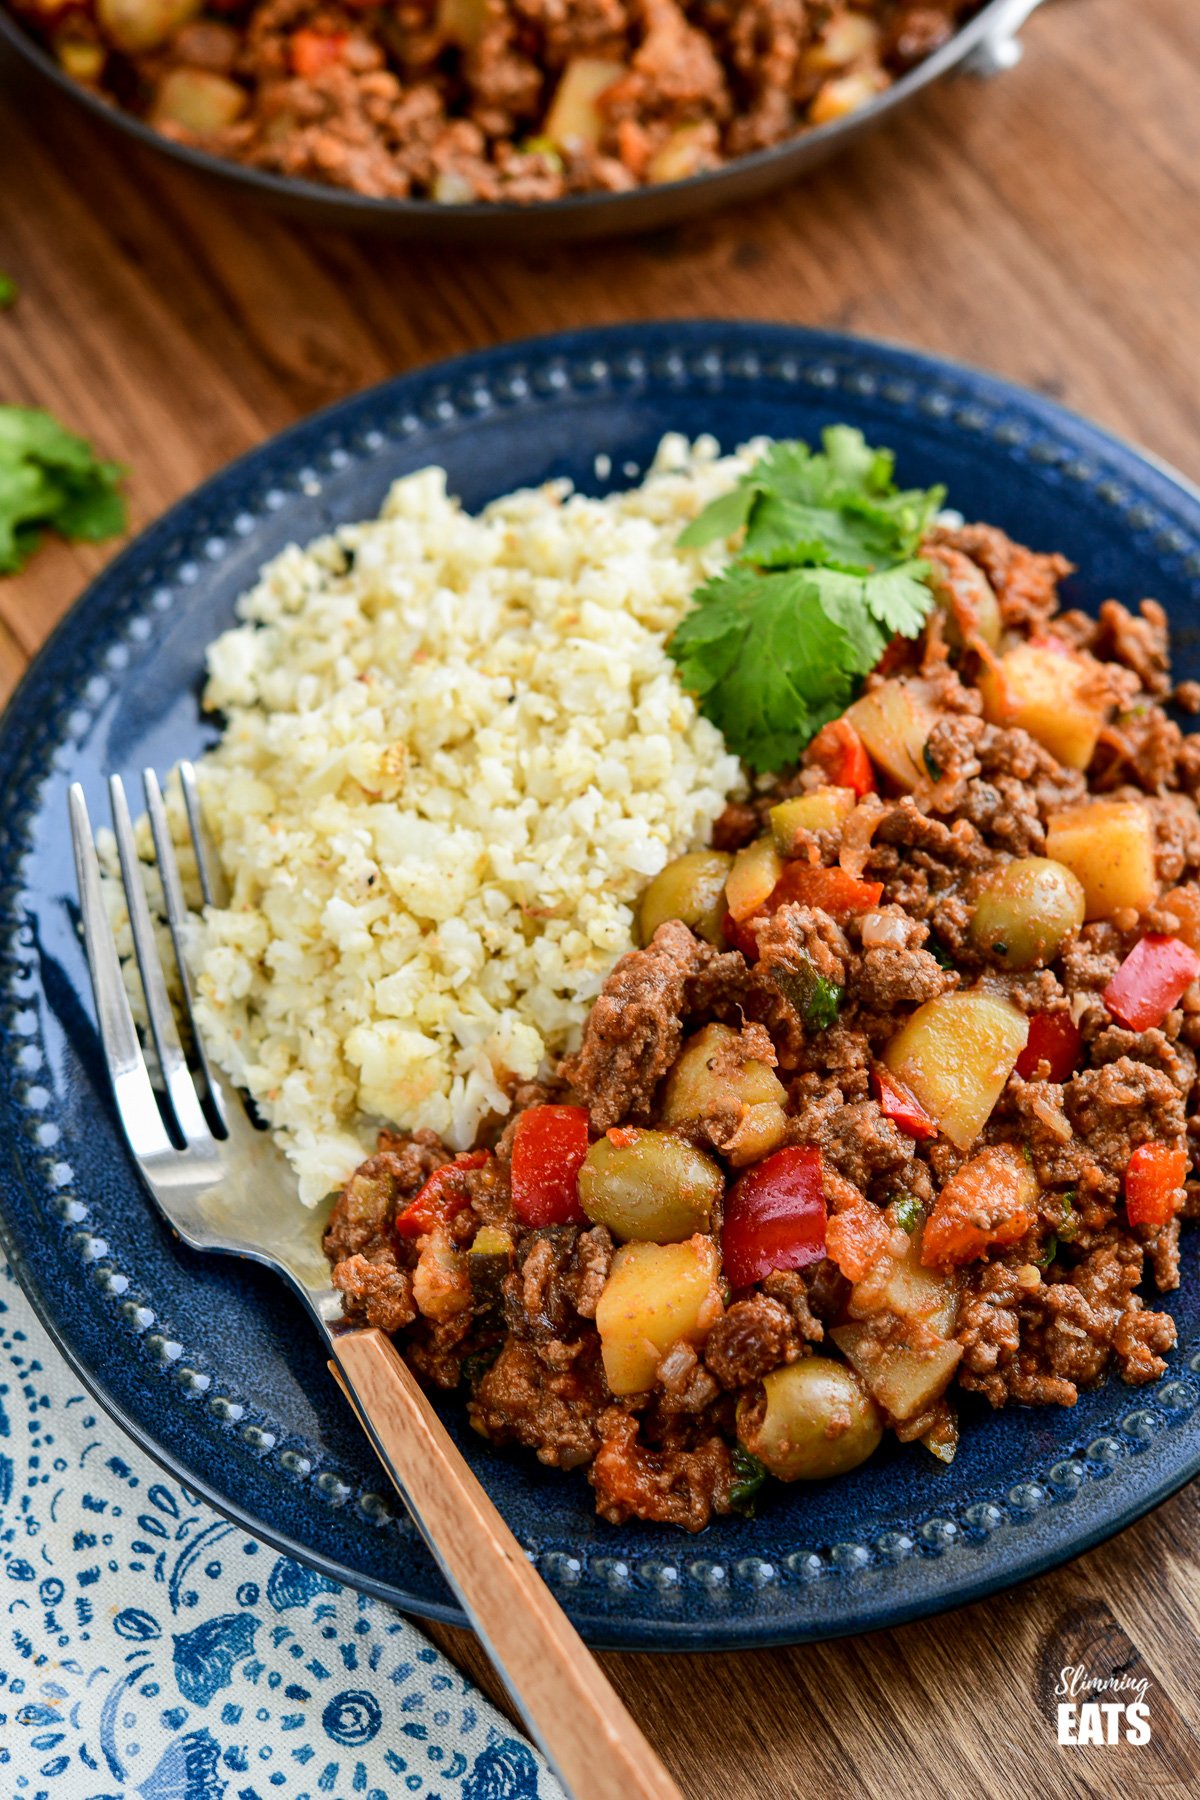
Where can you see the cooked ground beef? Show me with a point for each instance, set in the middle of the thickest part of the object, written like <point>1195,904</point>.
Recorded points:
<point>902,1253</point>
<point>513,100</point>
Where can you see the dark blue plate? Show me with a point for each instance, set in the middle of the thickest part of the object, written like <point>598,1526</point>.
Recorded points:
<point>209,1364</point>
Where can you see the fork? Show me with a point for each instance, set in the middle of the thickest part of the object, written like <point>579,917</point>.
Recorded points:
<point>223,1185</point>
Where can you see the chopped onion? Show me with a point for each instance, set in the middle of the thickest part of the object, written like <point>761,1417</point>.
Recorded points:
<point>884,931</point>
<point>679,1361</point>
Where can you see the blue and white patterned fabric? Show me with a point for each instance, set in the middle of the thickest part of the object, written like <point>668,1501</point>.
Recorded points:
<point>150,1650</point>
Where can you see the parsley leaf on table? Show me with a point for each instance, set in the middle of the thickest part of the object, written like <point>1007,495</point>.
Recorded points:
<point>823,578</point>
<point>51,478</point>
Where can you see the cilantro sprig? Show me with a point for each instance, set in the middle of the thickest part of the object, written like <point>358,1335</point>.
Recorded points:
<point>51,478</point>
<point>824,576</point>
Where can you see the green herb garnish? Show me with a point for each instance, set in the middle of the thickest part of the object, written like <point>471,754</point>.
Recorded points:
<point>1047,1255</point>
<point>51,478</point>
<point>825,576</point>
<point>907,1212</point>
<point>940,954</point>
<point>932,767</point>
<point>9,292</point>
<point>811,995</point>
<point>1070,1222</point>
<point>748,1477</point>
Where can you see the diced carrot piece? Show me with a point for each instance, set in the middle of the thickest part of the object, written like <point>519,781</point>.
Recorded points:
<point>987,1204</point>
<point>856,1239</point>
<point>1154,1179</point>
<point>313,51</point>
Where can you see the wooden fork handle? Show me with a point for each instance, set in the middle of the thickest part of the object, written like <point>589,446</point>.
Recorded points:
<point>595,1748</point>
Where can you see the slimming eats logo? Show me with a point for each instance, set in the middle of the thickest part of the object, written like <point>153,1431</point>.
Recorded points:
<point>1120,1716</point>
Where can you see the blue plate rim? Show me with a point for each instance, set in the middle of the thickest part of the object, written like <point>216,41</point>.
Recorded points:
<point>752,340</point>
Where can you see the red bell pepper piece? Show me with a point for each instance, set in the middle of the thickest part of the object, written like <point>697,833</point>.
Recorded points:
<point>832,890</point>
<point>549,1146</point>
<point>841,753</point>
<point>898,1103</point>
<point>1154,1178</point>
<point>806,884</point>
<point>775,1216</point>
<point>1053,1038</point>
<point>741,937</point>
<point>444,1194</point>
<point>1151,981</point>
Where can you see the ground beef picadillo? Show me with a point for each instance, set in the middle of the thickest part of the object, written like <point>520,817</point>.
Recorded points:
<point>511,100</point>
<point>1030,1237</point>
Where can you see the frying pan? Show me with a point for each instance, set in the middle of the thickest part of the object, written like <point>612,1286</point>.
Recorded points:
<point>985,45</point>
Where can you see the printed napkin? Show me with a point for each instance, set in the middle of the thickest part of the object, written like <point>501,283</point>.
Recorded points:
<point>149,1648</point>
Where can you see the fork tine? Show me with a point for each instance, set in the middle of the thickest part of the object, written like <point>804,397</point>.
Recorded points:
<point>212,876</point>
<point>127,1070</point>
<point>168,869</point>
<point>181,1089</point>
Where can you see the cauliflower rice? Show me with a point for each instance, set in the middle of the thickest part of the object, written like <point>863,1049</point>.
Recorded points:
<point>455,751</point>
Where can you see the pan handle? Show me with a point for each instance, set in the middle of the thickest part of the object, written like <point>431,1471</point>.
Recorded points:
<point>1001,49</point>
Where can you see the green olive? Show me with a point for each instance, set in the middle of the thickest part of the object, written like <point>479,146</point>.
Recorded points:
<point>691,888</point>
<point>649,1186</point>
<point>969,601</point>
<point>1027,912</point>
<point>810,1420</point>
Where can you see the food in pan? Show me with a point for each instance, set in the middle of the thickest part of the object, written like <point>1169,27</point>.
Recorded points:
<point>462,100</point>
<point>853,1073</point>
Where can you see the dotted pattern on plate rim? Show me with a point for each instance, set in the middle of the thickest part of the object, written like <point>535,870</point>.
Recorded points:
<point>327,450</point>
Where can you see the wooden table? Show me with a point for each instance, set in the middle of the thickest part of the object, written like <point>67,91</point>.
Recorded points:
<point>1045,226</point>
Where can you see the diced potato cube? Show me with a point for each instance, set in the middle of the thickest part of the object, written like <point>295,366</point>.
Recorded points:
<point>1109,845</point>
<point>904,1378</point>
<point>1058,696</point>
<point>752,879</point>
<point>825,809</point>
<point>656,1296</point>
<point>956,1053</point>
<point>198,101</point>
<point>136,26</point>
<point>894,722</point>
<point>843,94</point>
<point>846,37</point>
<point>902,1285</point>
<point>79,58</point>
<point>462,22</point>
<point>575,115</point>
<point>689,149</point>
<point>711,1081</point>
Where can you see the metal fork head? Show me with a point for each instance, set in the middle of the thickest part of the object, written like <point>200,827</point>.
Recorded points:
<point>224,1185</point>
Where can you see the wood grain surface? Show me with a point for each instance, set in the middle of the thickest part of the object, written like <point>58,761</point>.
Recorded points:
<point>566,1702</point>
<point>1044,225</point>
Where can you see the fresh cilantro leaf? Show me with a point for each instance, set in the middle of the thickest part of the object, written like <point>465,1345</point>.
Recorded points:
<point>823,578</point>
<point>49,477</point>
<point>811,995</point>
<point>767,660</point>
<point>721,517</point>
<point>749,1475</point>
<point>908,1212</point>
<point>9,292</point>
